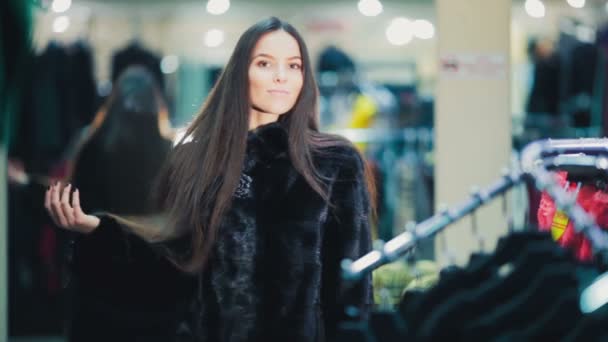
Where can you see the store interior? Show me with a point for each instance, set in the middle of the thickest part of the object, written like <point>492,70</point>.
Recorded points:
<point>442,97</point>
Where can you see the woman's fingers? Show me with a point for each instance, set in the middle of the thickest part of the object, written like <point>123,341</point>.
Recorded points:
<point>65,194</point>
<point>76,205</point>
<point>47,205</point>
<point>56,205</point>
<point>85,223</point>
<point>68,212</point>
<point>47,199</point>
<point>64,208</point>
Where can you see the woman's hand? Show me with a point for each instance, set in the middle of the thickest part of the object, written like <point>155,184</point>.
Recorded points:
<point>66,214</point>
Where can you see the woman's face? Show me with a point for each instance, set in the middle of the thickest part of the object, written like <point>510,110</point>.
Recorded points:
<point>275,73</point>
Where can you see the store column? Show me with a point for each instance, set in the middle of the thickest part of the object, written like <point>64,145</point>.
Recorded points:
<point>472,117</point>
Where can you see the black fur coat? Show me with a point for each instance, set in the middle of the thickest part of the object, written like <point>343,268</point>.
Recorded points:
<point>274,274</point>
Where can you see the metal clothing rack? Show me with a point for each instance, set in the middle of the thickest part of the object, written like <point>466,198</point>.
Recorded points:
<point>595,155</point>
<point>591,153</point>
<point>404,242</point>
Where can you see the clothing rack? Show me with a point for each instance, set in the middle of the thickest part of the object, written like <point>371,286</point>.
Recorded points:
<point>404,242</point>
<point>531,169</point>
<point>591,153</point>
<point>402,159</point>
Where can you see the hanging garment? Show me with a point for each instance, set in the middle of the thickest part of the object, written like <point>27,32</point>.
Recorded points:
<point>15,55</point>
<point>413,200</point>
<point>593,200</point>
<point>136,54</point>
<point>60,99</point>
<point>602,91</point>
<point>334,59</point>
<point>81,88</point>
<point>528,289</point>
<point>407,195</point>
<point>544,95</point>
<point>42,133</point>
<point>391,280</point>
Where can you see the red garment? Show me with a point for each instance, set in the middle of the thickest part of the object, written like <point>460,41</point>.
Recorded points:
<point>592,200</point>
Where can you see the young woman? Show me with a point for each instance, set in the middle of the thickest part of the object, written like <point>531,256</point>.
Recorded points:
<point>266,205</point>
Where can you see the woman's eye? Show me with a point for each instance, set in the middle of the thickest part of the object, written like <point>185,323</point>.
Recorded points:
<point>263,64</point>
<point>296,66</point>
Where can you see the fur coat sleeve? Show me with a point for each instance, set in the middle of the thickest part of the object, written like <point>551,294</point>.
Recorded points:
<point>347,235</point>
<point>123,291</point>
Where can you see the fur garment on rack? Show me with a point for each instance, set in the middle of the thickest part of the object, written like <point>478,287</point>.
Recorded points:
<point>275,271</point>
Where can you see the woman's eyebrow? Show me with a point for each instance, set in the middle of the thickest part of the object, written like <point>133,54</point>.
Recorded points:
<point>272,57</point>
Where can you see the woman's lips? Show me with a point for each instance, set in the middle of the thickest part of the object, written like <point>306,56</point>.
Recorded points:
<point>278,92</point>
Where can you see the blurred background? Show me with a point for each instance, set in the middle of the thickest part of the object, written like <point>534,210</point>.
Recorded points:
<point>439,95</point>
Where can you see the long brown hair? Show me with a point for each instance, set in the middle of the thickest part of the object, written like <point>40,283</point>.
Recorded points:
<point>200,177</point>
<point>120,155</point>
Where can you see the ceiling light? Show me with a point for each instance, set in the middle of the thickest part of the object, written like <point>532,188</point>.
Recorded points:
<point>60,6</point>
<point>576,3</point>
<point>61,24</point>
<point>169,64</point>
<point>214,38</point>
<point>370,8</point>
<point>399,31</point>
<point>423,29</point>
<point>535,8</point>
<point>217,7</point>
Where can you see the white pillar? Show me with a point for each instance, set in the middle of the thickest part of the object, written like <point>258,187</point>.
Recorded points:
<point>472,119</point>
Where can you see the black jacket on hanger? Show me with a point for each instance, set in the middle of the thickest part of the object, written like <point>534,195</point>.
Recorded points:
<point>545,93</point>
<point>136,54</point>
<point>60,99</point>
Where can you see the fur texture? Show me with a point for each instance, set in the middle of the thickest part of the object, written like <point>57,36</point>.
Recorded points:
<point>274,274</point>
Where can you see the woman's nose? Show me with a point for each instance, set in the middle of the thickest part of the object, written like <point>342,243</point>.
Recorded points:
<point>280,75</point>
